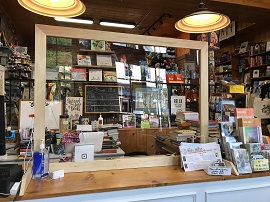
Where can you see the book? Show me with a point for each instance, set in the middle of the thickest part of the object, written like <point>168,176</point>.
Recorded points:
<point>84,60</point>
<point>104,60</point>
<point>241,160</point>
<point>109,76</point>
<point>129,120</point>
<point>95,75</point>
<point>78,74</point>
<point>250,134</point>
<point>98,45</point>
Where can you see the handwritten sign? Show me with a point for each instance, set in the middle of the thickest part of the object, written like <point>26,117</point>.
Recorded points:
<point>102,99</point>
<point>74,107</point>
<point>260,164</point>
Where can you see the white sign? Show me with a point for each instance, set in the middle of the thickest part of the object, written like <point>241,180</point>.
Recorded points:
<point>74,107</point>
<point>196,156</point>
<point>178,103</point>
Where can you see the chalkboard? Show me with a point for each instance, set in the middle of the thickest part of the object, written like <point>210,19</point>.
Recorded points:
<point>102,99</point>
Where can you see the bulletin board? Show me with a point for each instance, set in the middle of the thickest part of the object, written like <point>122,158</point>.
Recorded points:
<point>53,109</point>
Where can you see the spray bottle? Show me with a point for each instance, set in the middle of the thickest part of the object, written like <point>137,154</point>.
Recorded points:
<point>40,162</point>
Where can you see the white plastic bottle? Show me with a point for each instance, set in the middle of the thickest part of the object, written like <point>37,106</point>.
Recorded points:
<point>40,162</point>
<point>100,121</point>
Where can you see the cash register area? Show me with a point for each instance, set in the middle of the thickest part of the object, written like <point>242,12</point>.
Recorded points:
<point>83,144</point>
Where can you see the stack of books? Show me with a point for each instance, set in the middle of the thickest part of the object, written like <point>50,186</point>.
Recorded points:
<point>178,136</point>
<point>213,128</point>
<point>26,148</point>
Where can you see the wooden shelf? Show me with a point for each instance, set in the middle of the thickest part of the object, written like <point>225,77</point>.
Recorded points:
<point>240,54</point>
<point>97,51</point>
<point>259,66</point>
<point>96,66</point>
<point>261,78</point>
<point>257,54</point>
<point>222,73</point>
<point>224,63</point>
<point>102,112</point>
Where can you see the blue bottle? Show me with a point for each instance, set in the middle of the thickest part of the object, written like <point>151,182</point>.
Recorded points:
<point>40,162</point>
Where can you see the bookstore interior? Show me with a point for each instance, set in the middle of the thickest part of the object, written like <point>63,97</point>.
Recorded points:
<point>117,112</point>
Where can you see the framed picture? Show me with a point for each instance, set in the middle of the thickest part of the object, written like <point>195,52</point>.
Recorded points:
<point>104,60</point>
<point>243,47</point>
<point>256,73</point>
<point>85,120</point>
<point>95,75</point>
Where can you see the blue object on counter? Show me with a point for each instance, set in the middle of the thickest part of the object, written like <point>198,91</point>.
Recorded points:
<point>10,134</point>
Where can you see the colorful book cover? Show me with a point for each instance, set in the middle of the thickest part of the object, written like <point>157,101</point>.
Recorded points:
<point>78,74</point>
<point>250,134</point>
<point>109,76</point>
<point>227,129</point>
<point>244,112</point>
<point>84,60</point>
<point>241,160</point>
<point>98,45</point>
<point>153,120</point>
<point>129,120</point>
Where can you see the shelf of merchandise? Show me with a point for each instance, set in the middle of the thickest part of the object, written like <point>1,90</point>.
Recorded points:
<point>259,66</point>
<point>258,54</point>
<point>96,66</point>
<point>97,51</point>
<point>224,63</point>
<point>261,78</point>
<point>222,73</point>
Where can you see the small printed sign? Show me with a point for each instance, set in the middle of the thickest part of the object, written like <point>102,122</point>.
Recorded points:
<point>178,103</point>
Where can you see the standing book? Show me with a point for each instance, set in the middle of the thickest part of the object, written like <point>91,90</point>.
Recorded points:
<point>78,74</point>
<point>241,160</point>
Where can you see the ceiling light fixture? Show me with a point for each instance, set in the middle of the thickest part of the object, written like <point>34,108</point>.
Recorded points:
<point>202,21</point>
<point>116,24</point>
<point>75,20</point>
<point>54,8</point>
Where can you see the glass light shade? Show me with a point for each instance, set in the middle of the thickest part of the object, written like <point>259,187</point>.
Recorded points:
<point>54,8</point>
<point>202,22</point>
<point>117,24</point>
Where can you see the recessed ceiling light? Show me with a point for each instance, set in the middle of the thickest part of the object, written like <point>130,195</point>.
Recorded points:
<point>75,20</point>
<point>116,24</point>
<point>54,8</point>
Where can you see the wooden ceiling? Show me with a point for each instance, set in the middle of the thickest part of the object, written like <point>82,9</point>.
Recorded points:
<point>144,13</point>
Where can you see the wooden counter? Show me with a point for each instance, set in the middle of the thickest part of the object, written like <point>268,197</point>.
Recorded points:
<point>126,179</point>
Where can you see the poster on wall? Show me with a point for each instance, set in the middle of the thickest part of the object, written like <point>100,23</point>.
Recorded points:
<point>53,109</point>
<point>178,103</point>
<point>227,32</point>
<point>74,107</point>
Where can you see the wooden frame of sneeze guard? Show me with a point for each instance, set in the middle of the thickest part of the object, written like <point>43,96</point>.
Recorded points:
<point>42,31</point>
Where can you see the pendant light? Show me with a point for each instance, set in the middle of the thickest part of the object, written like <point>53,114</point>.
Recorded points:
<point>54,8</point>
<point>202,21</point>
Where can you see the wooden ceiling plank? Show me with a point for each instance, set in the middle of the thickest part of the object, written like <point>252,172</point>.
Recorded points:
<point>253,3</point>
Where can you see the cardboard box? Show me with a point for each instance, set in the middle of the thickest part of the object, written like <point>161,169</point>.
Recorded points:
<point>178,78</point>
<point>169,77</point>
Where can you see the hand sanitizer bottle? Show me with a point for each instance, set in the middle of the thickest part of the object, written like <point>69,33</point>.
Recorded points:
<point>40,162</point>
<point>100,121</point>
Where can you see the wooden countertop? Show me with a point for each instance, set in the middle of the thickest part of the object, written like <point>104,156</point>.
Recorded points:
<point>116,180</point>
